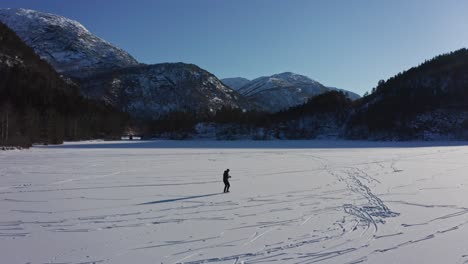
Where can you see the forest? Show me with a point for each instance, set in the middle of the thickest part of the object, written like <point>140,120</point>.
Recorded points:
<point>37,105</point>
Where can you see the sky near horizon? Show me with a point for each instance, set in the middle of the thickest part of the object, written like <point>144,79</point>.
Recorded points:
<point>346,44</point>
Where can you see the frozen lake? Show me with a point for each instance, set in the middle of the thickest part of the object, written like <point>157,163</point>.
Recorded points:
<point>290,202</point>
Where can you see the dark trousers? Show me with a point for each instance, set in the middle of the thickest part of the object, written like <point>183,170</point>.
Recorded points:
<point>226,186</point>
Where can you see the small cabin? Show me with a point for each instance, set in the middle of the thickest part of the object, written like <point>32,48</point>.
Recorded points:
<point>130,137</point>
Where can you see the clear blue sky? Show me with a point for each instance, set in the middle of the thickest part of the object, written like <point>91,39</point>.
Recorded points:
<point>349,44</point>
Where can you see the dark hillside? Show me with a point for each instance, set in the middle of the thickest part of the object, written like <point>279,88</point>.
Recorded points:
<point>38,106</point>
<point>430,100</point>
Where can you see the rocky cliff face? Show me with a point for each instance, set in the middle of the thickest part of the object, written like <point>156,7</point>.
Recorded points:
<point>153,90</point>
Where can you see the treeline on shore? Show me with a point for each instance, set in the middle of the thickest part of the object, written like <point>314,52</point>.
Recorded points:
<point>38,106</point>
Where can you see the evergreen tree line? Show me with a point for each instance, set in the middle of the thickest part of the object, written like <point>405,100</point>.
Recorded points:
<point>333,106</point>
<point>39,106</point>
<point>34,112</point>
<point>439,84</point>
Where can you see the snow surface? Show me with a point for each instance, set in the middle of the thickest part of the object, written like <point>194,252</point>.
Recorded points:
<point>291,202</point>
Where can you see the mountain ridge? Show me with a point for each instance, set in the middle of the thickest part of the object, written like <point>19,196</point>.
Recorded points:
<point>235,82</point>
<point>150,91</point>
<point>281,91</point>
<point>78,54</point>
<point>65,43</point>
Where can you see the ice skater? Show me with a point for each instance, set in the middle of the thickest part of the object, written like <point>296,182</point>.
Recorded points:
<point>226,180</point>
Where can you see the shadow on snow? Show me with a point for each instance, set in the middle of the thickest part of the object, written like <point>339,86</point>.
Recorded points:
<point>180,199</point>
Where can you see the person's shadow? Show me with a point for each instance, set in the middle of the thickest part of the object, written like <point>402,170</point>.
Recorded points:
<point>180,199</point>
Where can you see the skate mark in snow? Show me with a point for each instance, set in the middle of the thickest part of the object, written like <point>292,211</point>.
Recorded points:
<point>177,242</point>
<point>375,209</point>
<point>391,235</point>
<point>251,257</point>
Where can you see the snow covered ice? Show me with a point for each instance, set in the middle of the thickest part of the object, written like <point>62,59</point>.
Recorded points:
<point>290,202</point>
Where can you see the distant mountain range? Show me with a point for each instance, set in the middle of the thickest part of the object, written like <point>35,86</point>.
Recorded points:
<point>425,102</point>
<point>110,73</point>
<point>150,91</point>
<point>281,91</point>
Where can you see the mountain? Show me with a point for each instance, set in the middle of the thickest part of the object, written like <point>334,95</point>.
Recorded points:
<point>111,74</point>
<point>425,102</point>
<point>38,106</point>
<point>349,94</point>
<point>151,91</point>
<point>235,83</point>
<point>281,91</point>
<point>107,72</point>
<point>66,44</point>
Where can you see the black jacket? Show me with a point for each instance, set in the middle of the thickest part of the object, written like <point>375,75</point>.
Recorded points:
<point>226,175</point>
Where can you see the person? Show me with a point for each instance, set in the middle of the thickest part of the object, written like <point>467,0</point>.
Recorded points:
<point>226,180</point>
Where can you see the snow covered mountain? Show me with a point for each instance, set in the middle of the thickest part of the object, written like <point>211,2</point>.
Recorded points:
<point>150,91</point>
<point>281,91</point>
<point>235,83</point>
<point>66,44</point>
<point>109,73</point>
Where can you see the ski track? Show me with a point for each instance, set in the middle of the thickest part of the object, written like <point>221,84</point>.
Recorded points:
<point>286,205</point>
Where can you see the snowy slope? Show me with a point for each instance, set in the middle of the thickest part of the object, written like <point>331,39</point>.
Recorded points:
<point>281,81</point>
<point>109,73</point>
<point>154,90</point>
<point>281,91</point>
<point>235,83</point>
<point>66,44</point>
<point>290,202</point>
<point>284,90</point>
